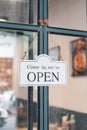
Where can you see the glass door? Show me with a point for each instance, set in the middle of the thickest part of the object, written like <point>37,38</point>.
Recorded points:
<point>67,103</point>
<point>14,99</point>
<point>42,108</point>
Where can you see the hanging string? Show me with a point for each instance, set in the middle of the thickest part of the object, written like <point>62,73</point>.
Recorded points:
<point>25,53</point>
<point>60,56</point>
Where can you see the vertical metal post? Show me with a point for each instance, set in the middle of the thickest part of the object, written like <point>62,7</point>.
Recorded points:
<point>30,94</point>
<point>46,89</point>
<point>31,3</point>
<point>40,51</point>
<point>45,9</point>
<point>30,89</point>
<point>40,89</point>
<point>40,10</point>
<point>43,49</point>
<point>30,108</point>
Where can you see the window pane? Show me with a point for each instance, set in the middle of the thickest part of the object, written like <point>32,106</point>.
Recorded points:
<point>14,98</point>
<point>68,107</point>
<point>17,11</point>
<point>68,14</point>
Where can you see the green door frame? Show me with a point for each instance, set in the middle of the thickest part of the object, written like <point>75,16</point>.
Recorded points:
<point>43,92</point>
<point>43,49</point>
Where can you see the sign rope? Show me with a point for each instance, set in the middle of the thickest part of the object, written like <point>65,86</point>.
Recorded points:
<point>25,53</point>
<point>41,23</point>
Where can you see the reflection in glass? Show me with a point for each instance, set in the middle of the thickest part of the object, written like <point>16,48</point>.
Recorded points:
<point>67,104</point>
<point>14,99</point>
<point>17,11</point>
<point>68,14</point>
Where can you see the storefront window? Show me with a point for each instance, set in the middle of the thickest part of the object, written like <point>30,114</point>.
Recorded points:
<point>14,98</point>
<point>68,14</point>
<point>17,11</point>
<point>67,103</point>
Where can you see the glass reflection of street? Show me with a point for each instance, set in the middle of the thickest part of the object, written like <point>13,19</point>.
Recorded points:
<point>9,123</point>
<point>7,110</point>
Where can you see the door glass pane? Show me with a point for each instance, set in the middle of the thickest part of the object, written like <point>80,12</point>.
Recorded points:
<point>68,14</point>
<point>67,103</point>
<point>14,98</point>
<point>18,11</point>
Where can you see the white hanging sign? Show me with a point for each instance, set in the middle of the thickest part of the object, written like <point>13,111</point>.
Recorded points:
<point>42,72</point>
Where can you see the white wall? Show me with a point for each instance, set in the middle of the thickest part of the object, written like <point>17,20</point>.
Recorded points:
<point>72,96</point>
<point>70,14</point>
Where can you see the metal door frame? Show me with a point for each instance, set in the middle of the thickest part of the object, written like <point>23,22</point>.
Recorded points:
<point>43,92</point>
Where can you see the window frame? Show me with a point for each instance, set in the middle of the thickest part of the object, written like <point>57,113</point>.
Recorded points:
<point>43,92</point>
